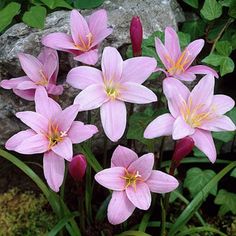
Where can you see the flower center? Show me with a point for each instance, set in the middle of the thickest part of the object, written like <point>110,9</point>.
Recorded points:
<point>179,66</point>
<point>85,45</point>
<point>44,80</point>
<point>131,178</point>
<point>111,89</point>
<point>195,116</point>
<point>54,135</point>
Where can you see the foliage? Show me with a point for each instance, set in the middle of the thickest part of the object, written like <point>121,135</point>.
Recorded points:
<point>23,213</point>
<point>34,12</point>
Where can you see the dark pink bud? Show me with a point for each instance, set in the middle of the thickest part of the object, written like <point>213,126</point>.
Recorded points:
<point>77,167</point>
<point>136,36</point>
<point>182,148</point>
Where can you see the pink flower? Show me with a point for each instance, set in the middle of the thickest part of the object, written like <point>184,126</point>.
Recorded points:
<point>85,36</point>
<point>41,71</point>
<point>178,63</point>
<point>118,82</point>
<point>193,114</point>
<point>77,167</point>
<point>52,132</point>
<point>136,36</point>
<point>132,179</point>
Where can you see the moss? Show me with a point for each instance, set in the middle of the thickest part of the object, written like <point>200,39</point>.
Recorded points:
<point>24,214</point>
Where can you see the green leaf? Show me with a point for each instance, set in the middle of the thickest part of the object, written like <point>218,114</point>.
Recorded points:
<point>184,39</point>
<point>233,41</point>
<point>35,17</point>
<point>227,202</point>
<point>232,9</point>
<point>133,233</point>
<point>213,59</point>
<point>196,28</point>
<point>195,204</point>
<point>225,3</point>
<point>224,48</point>
<point>196,179</point>
<point>52,4</point>
<point>225,136</point>
<point>233,173</point>
<point>150,41</point>
<point>87,4</point>
<point>192,3</point>
<point>7,14</point>
<point>211,10</point>
<point>227,66</point>
<point>232,114</point>
<point>139,121</point>
<point>60,225</point>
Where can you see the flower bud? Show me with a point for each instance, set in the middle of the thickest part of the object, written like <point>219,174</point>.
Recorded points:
<point>77,167</point>
<point>136,36</point>
<point>182,148</point>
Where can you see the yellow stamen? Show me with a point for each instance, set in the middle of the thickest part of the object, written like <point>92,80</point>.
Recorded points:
<point>84,46</point>
<point>44,79</point>
<point>178,67</point>
<point>131,179</point>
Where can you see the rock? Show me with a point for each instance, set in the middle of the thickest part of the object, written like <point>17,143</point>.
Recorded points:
<point>155,15</point>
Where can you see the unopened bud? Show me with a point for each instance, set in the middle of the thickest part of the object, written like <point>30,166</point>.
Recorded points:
<point>77,167</point>
<point>182,148</point>
<point>136,36</point>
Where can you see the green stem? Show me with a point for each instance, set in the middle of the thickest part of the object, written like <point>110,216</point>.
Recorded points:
<point>229,21</point>
<point>163,218</point>
<point>160,153</point>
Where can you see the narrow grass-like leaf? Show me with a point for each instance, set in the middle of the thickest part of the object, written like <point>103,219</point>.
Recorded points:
<point>59,226</point>
<point>133,233</point>
<point>197,230</point>
<point>195,204</point>
<point>101,213</point>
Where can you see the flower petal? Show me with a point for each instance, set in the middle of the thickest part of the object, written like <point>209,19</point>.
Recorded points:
<point>186,76</point>
<point>143,165</point>
<point>25,94</point>
<point>53,168</point>
<point>176,93</point>
<point>192,50</point>
<point>112,178</point>
<point>222,103</point>
<point>64,149</point>
<point>123,156</point>
<point>202,70</point>
<point>79,132</point>
<point>120,208</point>
<point>98,38</point>
<point>113,116</point>
<point>160,182</point>
<point>202,93</point>
<point>66,117</point>
<point>16,139</point>
<point>204,141</point>
<point>161,126</point>
<point>13,83</point>
<point>221,123</point>
<point>25,85</point>
<point>139,196</point>
<point>31,66</point>
<point>90,57</point>
<point>112,64</point>
<point>34,120</point>
<point>44,105</point>
<point>172,43</point>
<point>91,98</point>
<point>36,144</point>
<point>136,93</point>
<point>181,129</point>
<point>138,69</point>
<point>83,76</point>
<point>59,41</point>
<point>79,27</point>
<point>163,54</point>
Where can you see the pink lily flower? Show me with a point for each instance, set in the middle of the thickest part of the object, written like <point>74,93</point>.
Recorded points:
<point>85,36</point>
<point>132,181</point>
<point>177,63</point>
<point>41,71</point>
<point>193,114</point>
<point>52,132</point>
<point>118,82</point>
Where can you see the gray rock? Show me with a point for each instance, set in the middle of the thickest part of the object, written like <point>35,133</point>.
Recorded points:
<point>155,15</point>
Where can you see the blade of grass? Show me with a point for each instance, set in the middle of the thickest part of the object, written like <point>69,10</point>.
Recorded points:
<point>194,205</point>
<point>201,229</point>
